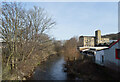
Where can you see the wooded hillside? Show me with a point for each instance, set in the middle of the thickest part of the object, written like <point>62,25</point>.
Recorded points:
<point>112,36</point>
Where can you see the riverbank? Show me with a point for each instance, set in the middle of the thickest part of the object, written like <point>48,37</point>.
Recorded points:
<point>87,70</point>
<point>31,68</point>
<point>52,69</point>
<point>26,68</point>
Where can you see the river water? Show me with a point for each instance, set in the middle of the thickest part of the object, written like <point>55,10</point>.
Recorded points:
<point>52,69</point>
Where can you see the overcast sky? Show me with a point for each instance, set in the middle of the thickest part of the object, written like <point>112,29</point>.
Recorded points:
<point>80,18</point>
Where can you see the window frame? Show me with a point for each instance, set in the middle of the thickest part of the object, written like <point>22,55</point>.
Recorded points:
<point>116,53</point>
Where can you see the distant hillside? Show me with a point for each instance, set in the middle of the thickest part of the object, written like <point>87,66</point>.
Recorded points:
<point>111,36</point>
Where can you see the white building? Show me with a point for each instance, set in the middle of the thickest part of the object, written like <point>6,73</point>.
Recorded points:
<point>109,57</point>
<point>99,57</point>
<point>112,56</point>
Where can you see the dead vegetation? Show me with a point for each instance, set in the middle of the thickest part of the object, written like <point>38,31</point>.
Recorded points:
<point>26,42</point>
<point>70,49</point>
<point>85,69</point>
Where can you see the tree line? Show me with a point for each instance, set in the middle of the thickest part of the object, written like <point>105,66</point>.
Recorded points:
<point>70,49</point>
<point>26,41</point>
<point>24,33</point>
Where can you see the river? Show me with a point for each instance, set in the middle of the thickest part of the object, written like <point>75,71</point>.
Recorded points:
<point>52,69</point>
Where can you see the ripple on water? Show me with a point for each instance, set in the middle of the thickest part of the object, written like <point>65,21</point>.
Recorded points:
<point>51,70</point>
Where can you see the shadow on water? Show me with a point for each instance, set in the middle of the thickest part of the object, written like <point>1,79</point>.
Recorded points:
<point>50,70</point>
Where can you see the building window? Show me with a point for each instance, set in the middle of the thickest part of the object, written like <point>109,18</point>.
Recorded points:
<point>117,53</point>
<point>102,58</point>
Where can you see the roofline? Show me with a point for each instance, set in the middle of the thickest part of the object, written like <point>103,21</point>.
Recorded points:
<point>88,36</point>
<point>114,43</point>
<point>102,49</point>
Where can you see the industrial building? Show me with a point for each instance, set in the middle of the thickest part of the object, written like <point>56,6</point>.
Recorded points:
<point>91,41</point>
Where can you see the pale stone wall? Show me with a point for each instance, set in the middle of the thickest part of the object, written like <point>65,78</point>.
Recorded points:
<point>97,36</point>
<point>86,41</point>
<point>89,41</point>
<point>105,40</point>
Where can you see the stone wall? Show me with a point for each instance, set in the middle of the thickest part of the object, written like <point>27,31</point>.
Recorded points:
<point>105,40</point>
<point>90,41</point>
<point>86,41</point>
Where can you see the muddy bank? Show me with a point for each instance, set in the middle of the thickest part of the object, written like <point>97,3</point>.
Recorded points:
<point>87,70</point>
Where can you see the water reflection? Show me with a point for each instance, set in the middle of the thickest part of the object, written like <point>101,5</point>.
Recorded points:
<point>51,70</point>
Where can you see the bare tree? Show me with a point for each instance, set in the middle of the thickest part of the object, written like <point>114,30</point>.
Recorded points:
<point>70,49</point>
<point>24,32</point>
<point>12,23</point>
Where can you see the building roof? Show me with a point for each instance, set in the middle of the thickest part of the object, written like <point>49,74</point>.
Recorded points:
<point>111,45</point>
<point>87,36</point>
<point>114,43</point>
<point>98,30</point>
<point>96,48</point>
<point>103,49</point>
<point>99,48</point>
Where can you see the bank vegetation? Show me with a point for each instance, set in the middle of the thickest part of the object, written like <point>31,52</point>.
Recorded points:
<point>26,42</point>
<point>70,49</point>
